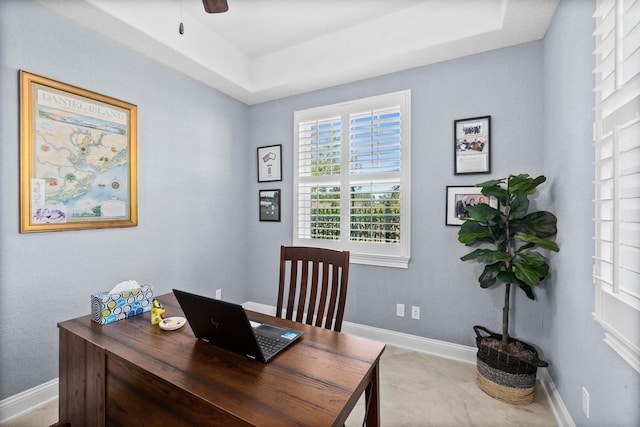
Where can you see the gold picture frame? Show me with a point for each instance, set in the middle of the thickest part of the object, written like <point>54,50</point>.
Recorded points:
<point>78,158</point>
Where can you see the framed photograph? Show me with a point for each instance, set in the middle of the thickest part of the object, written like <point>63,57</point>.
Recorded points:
<point>78,158</point>
<point>472,145</point>
<point>270,163</point>
<point>459,197</point>
<point>270,205</point>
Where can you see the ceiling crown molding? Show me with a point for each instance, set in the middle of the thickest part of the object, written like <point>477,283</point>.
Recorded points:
<point>260,51</point>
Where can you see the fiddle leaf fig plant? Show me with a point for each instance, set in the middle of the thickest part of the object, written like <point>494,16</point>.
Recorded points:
<point>508,238</point>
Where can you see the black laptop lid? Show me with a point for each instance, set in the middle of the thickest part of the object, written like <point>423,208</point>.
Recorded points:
<point>219,322</point>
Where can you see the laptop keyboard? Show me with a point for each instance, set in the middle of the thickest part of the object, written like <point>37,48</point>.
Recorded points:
<point>269,345</point>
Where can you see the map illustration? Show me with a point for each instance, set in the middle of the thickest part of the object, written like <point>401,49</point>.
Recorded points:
<point>81,159</point>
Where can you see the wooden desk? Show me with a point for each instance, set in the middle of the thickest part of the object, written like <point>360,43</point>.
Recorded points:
<point>132,373</point>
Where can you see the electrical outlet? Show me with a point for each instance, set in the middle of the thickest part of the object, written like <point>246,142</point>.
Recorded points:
<point>218,293</point>
<point>585,401</point>
<point>400,310</point>
<point>415,312</point>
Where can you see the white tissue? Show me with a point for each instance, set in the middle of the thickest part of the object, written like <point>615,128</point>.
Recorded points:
<point>127,285</point>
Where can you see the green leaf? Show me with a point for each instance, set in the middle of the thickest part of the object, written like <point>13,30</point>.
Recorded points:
<point>478,254</point>
<point>518,205</point>
<point>525,247</point>
<point>541,224</point>
<point>524,182</point>
<point>485,255</point>
<point>536,181</point>
<point>491,183</point>
<point>472,231</point>
<point>499,193</point>
<point>483,213</point>
<point>543,243</point>
<point>501,255</point>
<point>517,182</point>
<point>488,276</point>
<point>530,267</point>
<point>536,261</point>
<point>507,277</point>
<point>525,273</point>
<point>527,290</point>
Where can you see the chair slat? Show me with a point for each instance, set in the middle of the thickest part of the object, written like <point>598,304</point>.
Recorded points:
<point>292,290</point>
<point>320,291</point>
<point>334,295</point>
<point>302,297</point>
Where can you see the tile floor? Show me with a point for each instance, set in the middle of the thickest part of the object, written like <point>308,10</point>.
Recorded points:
<point>416,389</point>
<point>422,390</point>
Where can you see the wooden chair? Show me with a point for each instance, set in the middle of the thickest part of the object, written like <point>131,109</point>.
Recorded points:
<point>316,288</point>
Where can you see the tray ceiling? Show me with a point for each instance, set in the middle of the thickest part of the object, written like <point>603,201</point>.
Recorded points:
<point>262,50</point>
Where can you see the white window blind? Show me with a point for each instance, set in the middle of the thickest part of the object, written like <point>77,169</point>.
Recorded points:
<point>617,175</point>
<point>375,154</point>
<point>351,185</point>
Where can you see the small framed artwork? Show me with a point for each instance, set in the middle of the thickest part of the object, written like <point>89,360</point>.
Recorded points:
<point>270,205</point>
<point>472,145</point>
<point>270,163</point>
<point>459,197</point>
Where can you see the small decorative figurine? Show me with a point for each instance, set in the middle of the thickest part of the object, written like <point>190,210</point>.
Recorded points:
<point>156,312</point>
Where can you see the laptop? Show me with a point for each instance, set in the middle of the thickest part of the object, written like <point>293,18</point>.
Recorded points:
<point>226,325</point>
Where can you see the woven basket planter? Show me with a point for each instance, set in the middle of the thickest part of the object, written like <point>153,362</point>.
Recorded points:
<point>503,375</point>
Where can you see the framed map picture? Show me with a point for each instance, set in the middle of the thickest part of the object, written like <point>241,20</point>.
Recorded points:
<point>78,158</point>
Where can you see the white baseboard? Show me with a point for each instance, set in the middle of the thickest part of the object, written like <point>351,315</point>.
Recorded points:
<point>29,399</point>
<point>20,403</point>
<point>458,352</point>
<point>560,411</point>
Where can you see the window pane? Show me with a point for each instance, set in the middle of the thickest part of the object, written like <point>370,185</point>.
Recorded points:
<point>374,141</point>
<point>319,147</point>
<point>375,213</point>
<point>319,212</point>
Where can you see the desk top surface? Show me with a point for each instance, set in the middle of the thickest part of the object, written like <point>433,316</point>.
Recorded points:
<point>314,382</point>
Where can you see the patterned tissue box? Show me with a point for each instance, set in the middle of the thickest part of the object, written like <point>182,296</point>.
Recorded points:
<point>108,308</point>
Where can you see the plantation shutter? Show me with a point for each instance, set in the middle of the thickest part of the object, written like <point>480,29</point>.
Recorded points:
<point>319,147</point>
<point>319,163</point>
<point>375,141</point>
<point>617,175</point>
<point>352,178</point>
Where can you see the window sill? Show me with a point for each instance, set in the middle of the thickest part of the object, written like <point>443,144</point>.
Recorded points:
<point>620,320</point>
<point>379,260</point>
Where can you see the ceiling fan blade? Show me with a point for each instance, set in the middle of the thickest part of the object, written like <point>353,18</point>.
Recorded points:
<point>215,6</point>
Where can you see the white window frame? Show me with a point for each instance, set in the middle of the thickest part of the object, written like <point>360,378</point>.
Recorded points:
<point>616,269</point>
<point>379,254</point>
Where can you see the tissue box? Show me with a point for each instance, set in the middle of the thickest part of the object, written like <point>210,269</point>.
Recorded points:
<point>107,308</point>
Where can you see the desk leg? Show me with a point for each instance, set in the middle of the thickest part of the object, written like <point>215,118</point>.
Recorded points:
<point>81,395</point>
<point>372,396</point>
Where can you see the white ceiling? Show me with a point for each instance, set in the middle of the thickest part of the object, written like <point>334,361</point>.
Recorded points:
<point>262,50</point>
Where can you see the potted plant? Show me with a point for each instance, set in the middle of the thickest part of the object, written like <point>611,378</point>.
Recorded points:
<point>508,238</point>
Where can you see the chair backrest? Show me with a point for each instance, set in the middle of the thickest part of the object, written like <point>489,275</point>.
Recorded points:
<point>315,287</point>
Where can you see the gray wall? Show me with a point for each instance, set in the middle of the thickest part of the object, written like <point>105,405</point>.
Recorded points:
<point>193,173</point>
<point>573,340</point>
<point>540,98</point>
<point>198,162</point>
<point>506,84</point>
